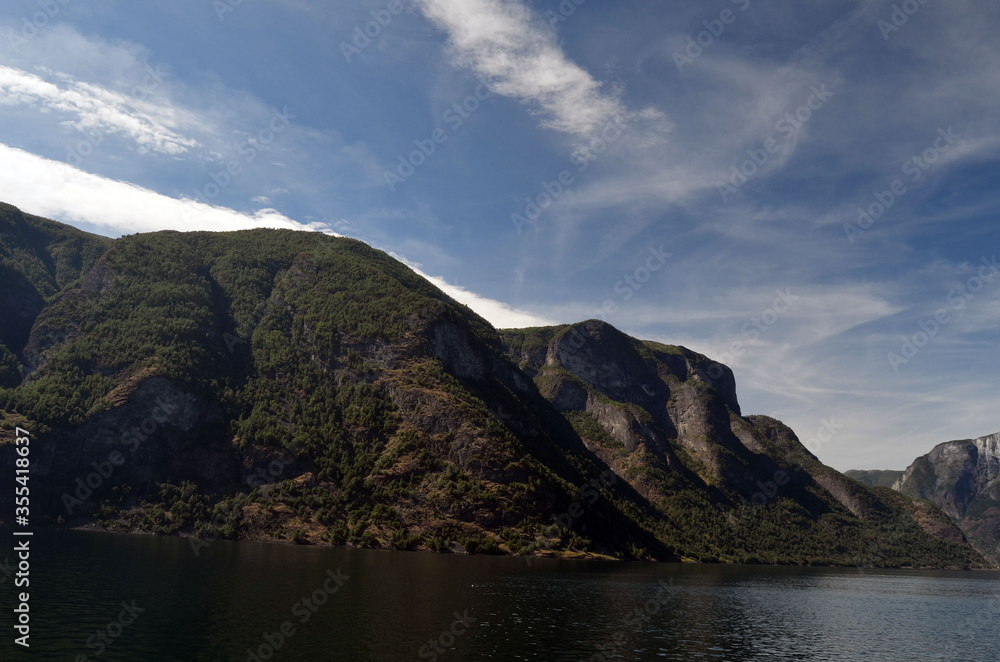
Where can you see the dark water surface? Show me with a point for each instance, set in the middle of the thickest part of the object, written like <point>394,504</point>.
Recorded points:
<point>220,604</point>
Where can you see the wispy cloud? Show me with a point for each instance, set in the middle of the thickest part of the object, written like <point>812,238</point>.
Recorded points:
<point>97,111</point>
<point>112,108</point>
<point>510,46</point>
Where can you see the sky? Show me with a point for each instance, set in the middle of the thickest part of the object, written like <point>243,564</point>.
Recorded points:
<point>805,191</point>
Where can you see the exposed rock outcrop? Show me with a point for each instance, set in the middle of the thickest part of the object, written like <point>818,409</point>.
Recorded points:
<point>963,479</point>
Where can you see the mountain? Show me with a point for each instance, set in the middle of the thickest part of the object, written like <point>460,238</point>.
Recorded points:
<point>963,479</point>
<point>667,420</point>
<point>38,258</point>
<point>875,477</point>
<point>279,385</point>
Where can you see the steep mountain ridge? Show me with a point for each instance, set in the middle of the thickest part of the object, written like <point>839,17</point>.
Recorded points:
<point>293,386</point>
<point>962,478</point>
<point>667,420</point>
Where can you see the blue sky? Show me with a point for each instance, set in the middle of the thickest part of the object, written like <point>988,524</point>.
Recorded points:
<point>693,172</point>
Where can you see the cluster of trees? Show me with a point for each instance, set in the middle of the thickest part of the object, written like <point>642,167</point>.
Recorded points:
<point>287,332</point>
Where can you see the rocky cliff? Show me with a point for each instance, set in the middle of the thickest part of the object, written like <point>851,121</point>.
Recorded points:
<point>963,479</point>
<point>284,385</point>
<point>667,421</point>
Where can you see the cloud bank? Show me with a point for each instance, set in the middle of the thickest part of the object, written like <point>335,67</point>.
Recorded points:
<point>60,191</point>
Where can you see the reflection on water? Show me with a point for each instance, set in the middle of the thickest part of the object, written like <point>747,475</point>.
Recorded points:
<point>242,601</point>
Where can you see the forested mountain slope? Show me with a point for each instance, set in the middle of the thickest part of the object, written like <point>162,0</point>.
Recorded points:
<point>284,385</point>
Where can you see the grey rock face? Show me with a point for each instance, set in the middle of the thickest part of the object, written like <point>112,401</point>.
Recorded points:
<point>963,479</point>
<point>954,473</point>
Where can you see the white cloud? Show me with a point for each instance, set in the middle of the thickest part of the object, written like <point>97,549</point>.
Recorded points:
<point>497,313</point>
<point>60,191</point>
<point>118,110</point>
<point>56,190</point>
<point>97,111</point>
<point>505,43</point>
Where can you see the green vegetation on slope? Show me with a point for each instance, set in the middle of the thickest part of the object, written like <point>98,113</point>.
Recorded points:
<point>38,259</point>
<point>612,390</point>
<point>323,392</point>
<point>309,345</point>
<point>875,477</point>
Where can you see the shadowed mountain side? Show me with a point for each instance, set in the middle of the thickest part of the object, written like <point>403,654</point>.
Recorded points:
<point>279,385</point>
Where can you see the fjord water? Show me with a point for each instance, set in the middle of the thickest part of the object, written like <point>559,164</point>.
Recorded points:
<point>389,606</point>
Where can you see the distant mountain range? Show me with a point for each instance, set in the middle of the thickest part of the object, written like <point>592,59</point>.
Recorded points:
<point>962,478</point>
<point>278,385</point>
<point>875,477</point>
